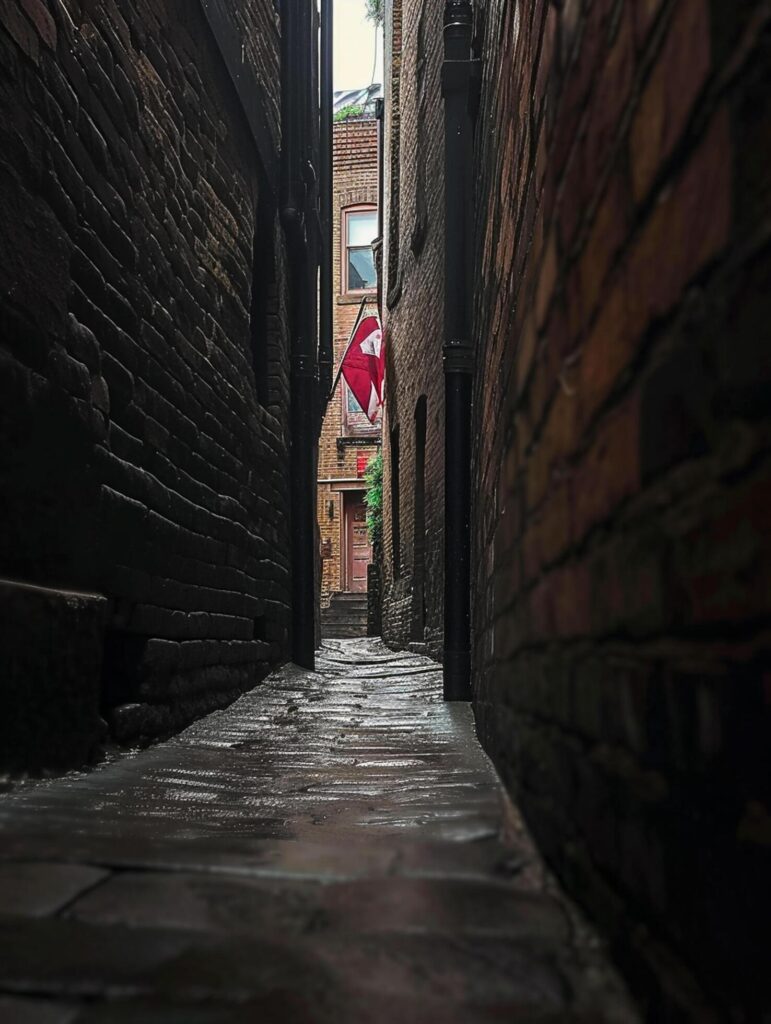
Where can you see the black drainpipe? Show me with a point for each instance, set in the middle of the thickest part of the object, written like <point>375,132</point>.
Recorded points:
<point>378,245</point>
<point>458,354</point>
<point>326,355</point>
<point>294,203</point>
<point>380,115</point>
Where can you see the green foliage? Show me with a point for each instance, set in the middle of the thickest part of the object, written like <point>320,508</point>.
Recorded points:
<point>352,110</point>
<point>374,11</point>
<point>374,499</point>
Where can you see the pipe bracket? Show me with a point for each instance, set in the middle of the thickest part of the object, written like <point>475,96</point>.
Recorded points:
<point>458,356</point>
<point>303,365</point>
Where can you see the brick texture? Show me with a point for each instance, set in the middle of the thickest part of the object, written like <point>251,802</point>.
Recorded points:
<point>355,183</point>
<point>141,459</point>
<point>621,469</point>
<point>622,572</point>
<point>414,290</point>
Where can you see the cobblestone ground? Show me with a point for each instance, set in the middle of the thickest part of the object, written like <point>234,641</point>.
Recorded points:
<point>335,847</point>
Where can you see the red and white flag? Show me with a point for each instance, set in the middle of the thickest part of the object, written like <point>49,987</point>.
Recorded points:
<point>364,364</point>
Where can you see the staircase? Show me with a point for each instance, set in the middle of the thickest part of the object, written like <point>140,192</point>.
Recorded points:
<point>345,617</point>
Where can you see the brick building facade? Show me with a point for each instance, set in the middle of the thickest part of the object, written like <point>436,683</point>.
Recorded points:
<point>144,368</point>
<point>413,297</point>
<point>348,440</point>
<point>621,477</point>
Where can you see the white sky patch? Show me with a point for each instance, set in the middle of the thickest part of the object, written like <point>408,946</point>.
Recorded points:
<point>355,40</point>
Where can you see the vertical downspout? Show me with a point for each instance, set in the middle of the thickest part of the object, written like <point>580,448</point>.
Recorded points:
<point>378,245</point>
<point>380,116</point>
<point>294,73</point>
<point>458,354</point>
<point>326,355</point>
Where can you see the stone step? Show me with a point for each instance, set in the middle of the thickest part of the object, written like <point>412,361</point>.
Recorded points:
<point>329,624</point>
<point>346,617</point>
<point>350,632</point>
<point>344,613</point>
<point>52,643</point>
<point>343,626</point>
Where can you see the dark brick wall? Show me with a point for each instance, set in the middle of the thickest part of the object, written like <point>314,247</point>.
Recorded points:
<point>141,460</point>
<point>622,470</point>
<point>414,287</point>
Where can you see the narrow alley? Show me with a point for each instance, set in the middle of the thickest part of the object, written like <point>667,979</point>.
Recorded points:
<point>333,847</point>
<point>385,492</point>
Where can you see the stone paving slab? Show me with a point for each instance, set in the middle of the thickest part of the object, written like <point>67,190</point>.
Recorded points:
<point>405,905</point>
<point>333,847</point>
<point>40,889</point>
<point>35,1011</point>
<point>282,1008</point>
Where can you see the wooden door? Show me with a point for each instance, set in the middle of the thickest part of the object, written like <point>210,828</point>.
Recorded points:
<point>358,547</point>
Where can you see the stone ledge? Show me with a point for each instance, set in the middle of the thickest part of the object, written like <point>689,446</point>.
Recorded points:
<point>51,642</point>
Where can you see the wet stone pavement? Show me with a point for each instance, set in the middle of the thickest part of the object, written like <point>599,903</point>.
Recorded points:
<point>334,847</point>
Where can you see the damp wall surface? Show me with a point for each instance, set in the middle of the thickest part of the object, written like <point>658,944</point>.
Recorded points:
<point>413,305</point>
<point>143,363</point>
<point>622,472</point>
<point>621,566</point>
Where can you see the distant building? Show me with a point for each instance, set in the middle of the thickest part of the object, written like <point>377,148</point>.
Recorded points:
<point>348,440</point>
<point>357,102</point>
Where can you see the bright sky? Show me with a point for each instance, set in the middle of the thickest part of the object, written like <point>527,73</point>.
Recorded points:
<point>355,47</point>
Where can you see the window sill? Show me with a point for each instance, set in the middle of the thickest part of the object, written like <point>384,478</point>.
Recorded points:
<point>355,299</point>
<point>358,442</point>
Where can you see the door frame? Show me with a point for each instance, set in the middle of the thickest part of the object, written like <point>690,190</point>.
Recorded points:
<point>351,496</point>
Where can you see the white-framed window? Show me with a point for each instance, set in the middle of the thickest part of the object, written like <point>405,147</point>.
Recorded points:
<point>359,231</point>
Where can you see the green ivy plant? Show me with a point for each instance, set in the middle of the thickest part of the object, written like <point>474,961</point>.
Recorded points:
<point>352,110</point>
<point>373,499</point>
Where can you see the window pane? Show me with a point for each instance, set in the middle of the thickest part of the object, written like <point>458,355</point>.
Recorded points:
<point>362,227</point>
<point>357,423</point>
<point>361,270</point>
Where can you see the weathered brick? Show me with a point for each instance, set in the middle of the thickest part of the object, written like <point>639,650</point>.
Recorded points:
<point>725,559</point>
<point>607,351</point>
<point>610,470</point>
<point>144,463</point>
<point>609,231</point>
<point>611,94</point>
<point>547,280</point>
<point>415,140</point>
<point>675,82</point>
<point>645,13</point>
<point>677,226</point>
<point>20,29</point>
<point>619,467</point>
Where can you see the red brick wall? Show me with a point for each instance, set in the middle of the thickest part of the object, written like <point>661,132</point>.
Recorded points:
<point>355,182</point>
<point>414,258</point>
<point>621,464</point>
<point>622,555</point>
